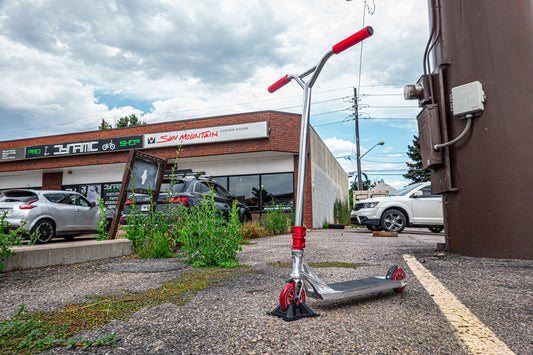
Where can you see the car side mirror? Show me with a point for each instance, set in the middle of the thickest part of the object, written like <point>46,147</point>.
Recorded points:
<point>417,194</point>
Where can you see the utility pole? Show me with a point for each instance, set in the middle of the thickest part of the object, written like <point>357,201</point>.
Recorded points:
<point>358,146</point>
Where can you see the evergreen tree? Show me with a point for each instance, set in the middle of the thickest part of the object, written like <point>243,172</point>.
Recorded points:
<point>126,121</point>
<point>129,121</point>
<point>416,173</point>
<point>104,125</point>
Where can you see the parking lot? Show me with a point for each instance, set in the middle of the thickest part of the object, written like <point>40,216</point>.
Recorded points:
<point>232,317</point>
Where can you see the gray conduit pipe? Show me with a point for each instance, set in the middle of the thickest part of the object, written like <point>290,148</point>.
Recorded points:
<point>461,136</point>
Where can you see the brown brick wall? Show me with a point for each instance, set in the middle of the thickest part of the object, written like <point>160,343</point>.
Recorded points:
<point>284,136</point>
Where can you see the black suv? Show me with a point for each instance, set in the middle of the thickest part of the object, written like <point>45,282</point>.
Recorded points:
<point>188,189</point>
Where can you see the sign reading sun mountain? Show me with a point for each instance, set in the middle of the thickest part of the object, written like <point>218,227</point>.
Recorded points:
<point>252,130</point>
<point>84,147</point>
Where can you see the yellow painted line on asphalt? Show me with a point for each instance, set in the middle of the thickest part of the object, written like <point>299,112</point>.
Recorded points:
<point>473,333</point>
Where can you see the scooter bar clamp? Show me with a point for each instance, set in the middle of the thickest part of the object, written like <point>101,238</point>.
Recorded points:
<point>298,238</point>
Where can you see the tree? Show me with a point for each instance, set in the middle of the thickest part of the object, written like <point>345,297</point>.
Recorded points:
<point>415,172</point>
<point>104,125</point>
<point>129,121</point>
<point>126,121</point>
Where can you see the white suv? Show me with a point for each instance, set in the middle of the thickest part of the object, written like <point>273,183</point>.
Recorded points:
<point>412,206</point>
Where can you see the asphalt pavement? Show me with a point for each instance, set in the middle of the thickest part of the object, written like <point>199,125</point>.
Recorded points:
<point>433,315</point>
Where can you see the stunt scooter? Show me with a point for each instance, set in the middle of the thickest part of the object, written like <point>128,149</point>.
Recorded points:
<point>303,280</point>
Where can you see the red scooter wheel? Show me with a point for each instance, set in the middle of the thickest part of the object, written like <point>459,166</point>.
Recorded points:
<point>286,296</point>
<point>399,274</point>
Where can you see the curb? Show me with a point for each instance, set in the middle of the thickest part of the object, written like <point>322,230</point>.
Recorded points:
<point>35,256</point>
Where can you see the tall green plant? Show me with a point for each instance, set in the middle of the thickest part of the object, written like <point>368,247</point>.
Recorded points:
<point>8,240</point>
<point>276,221</point>
<point>103,224</point>
<point>206,238</point>
<point>151,233</point>
<point>341,211</point>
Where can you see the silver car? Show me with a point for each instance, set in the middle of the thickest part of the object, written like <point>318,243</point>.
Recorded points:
<point>47,213</point>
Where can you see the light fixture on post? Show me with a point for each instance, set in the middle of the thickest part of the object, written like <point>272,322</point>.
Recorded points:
<point>359,173</point>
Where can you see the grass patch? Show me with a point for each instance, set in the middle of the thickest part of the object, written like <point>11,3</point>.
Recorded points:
<point>324,264</point>
<point>27,333</point>
<point>245,242</point>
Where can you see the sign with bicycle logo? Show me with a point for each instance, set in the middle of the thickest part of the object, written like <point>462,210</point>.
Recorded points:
<point>84,147</point>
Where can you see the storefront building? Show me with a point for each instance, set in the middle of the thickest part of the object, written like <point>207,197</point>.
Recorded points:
<point>254,155</point>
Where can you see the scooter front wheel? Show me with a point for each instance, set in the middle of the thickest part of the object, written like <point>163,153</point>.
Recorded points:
<point>288,296</point>
<point>399,274</point>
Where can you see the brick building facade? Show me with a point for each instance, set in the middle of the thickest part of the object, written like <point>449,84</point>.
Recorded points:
<point>249,153</point>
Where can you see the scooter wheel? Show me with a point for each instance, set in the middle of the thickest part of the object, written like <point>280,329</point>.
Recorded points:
<point>399,274</point>
<point>286,296</point>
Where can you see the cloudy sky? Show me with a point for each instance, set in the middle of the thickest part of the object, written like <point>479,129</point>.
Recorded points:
<point>66,65</point>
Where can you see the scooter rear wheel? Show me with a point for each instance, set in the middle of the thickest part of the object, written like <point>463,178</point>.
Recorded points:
<point>399,274</point>
<point>287,294</point>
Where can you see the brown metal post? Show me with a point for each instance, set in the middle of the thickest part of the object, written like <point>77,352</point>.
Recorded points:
<point>487,178</point>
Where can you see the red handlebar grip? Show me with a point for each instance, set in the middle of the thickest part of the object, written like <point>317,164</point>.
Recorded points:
<point>353,40</point>
<point>278,84</point>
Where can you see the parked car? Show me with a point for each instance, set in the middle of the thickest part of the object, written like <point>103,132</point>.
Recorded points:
<point>413,206</point>
<point>49,213</point>
<point>188,190</point>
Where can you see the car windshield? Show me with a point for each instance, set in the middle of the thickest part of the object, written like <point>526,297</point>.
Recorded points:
<point>19,196</point>
<point>406,190</point>
<point>177,186</point>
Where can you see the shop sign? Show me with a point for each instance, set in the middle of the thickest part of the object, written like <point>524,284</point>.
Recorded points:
<point>227,133</point>
<point>12,154</point>
<point>84,147</point>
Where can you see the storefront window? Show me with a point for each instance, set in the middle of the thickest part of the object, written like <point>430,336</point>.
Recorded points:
<point>277,189</point>
<point>222,180</point>
<point>246,189</point>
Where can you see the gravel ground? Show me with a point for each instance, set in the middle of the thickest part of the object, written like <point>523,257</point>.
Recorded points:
<point>232,318</point>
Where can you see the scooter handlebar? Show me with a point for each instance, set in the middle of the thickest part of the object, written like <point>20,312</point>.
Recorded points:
<point>352,40</point>
<point>279,84</point>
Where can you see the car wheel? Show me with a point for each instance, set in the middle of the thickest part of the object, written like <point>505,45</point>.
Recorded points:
<point>245,218</point>
<point>436,229</point>
<point>374,228</point>
<point>44,231</point>
<point>393,221</point>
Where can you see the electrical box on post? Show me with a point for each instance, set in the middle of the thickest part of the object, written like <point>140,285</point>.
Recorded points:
<point>430,135</point>
<point>468,99</point>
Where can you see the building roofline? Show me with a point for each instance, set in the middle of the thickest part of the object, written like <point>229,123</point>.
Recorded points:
<point>125,129</point>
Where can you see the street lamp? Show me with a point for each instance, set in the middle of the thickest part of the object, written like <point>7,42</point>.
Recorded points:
<point>359,157</point>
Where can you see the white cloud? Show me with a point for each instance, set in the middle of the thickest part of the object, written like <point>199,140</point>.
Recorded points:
<point>192,59</point>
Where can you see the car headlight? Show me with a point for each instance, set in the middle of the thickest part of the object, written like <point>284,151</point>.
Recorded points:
<point>369,204</point>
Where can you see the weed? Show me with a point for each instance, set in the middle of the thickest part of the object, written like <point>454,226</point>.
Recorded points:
<point>207,240</point>
<point>276,222</point>
<point>32,333</point>
<point>102,224</point>
<point>341,212</point>
<point>9,239</point>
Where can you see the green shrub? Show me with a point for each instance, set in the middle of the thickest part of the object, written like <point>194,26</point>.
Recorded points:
<point>103,224</point>
<point>152,234</point>
<point>206,240</point>
<point>341,212</point>
<point>276,221</point>
<point>8,240</point>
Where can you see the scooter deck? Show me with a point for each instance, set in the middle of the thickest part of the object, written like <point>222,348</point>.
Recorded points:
<point>363,283</point>
<point>353,288</point>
